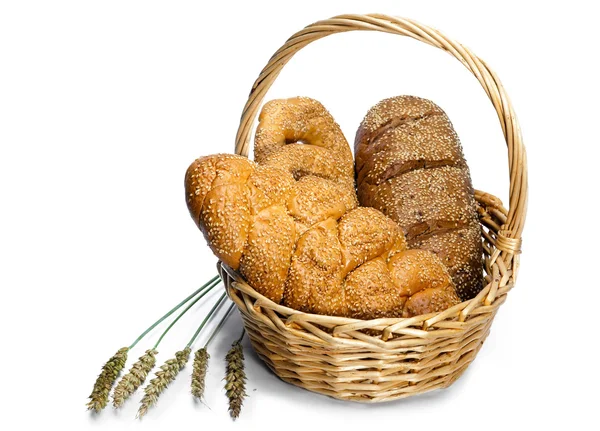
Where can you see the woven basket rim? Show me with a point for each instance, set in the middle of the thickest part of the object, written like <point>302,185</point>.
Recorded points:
<point>263,301</point>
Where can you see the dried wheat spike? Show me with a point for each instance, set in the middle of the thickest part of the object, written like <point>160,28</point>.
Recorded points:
<point>106,380</point>
<point>235,379</point>
<point>136,376</point>
<point>168,372</point>
<point>199,373</point>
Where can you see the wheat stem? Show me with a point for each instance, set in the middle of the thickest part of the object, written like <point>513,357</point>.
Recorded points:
<point>208,289</point>
<point>221,324</point>
<point>173,310</point>
<point>206,319</point>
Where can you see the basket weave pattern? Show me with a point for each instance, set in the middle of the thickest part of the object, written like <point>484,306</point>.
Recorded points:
<point>384,359</point>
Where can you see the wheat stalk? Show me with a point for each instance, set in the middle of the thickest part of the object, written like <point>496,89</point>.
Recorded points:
<point>235,379</point>
<point>201,357</point>
<point>106,380</point>
<point>199,372</point>
<point>136,376</point>
<point>112,368</point>
<point>168,372</point>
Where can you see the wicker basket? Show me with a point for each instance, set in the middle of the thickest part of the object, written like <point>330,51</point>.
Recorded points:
<point>384,359</point>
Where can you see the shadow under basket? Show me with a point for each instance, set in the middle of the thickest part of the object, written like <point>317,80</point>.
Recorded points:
<point>385,359</point>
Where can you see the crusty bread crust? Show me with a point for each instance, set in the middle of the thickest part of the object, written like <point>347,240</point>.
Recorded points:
<point>410,166</point>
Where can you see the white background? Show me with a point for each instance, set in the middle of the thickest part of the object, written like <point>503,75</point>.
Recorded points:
<point>104,104</point>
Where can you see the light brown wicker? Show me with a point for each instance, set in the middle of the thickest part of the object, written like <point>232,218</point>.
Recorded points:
<point>384,359</point>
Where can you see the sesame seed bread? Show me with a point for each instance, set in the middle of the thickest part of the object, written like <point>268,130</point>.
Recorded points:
<point>300,136</point>
<point>293,230</point>
<point>410,166</point>
<point>359,267</point>
<point>353,264</point>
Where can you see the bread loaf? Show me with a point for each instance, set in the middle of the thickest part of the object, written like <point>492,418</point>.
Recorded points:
<point>301,137</point>
<point>353,264</point>
<point>290,225</point>
<point>410,166</point>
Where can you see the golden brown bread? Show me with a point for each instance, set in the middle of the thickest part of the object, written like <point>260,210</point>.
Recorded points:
<point>357,266</point>
<point>296,235</point>
<point>251,215</point>
<point>409,165</point>
<point>300,136</point>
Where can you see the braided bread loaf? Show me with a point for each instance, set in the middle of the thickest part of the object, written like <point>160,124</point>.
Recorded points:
<point>290,224</point>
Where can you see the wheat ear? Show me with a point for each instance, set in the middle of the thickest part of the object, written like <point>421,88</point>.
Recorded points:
<point>136,376</point>
<point>168,372</point>
<point>106,380</point>
<point>235,379</point>
<point>112,368</point>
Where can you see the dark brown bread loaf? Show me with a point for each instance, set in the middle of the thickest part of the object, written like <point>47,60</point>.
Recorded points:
<point>410,166</point>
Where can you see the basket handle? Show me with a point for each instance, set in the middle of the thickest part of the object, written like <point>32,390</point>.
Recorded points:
<point>509,237</point>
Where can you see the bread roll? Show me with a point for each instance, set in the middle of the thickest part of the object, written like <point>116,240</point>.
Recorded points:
<point>410,166</point>
<point>300,136</point>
